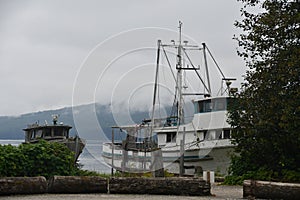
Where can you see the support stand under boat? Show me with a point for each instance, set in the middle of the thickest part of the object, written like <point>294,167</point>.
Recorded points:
<point>112,151</point>
<point>181,163</point>
<point>157,166</point>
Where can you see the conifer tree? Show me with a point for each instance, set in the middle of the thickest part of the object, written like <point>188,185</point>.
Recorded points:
<point>266,114</point>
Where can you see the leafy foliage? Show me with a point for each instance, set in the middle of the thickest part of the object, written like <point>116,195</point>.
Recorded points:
<point>266,115</point>
<point>40,159</point>
<point>47,159</point>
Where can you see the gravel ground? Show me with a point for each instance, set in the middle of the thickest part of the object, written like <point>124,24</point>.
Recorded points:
<point>218,192</point>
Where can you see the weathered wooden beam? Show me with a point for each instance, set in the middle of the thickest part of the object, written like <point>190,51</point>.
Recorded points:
<point>95,184</point>
<point>23,185</point>
<point>164,186</point>
<point>157,165</point>
<point>270,190</point>
<point>77,184</point>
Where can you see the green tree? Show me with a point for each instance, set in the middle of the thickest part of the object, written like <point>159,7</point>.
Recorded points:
<point>266,114</point>
<point>47,159</point>
<point>39,159</point>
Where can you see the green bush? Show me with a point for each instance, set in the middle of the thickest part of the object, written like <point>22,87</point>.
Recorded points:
<point>11,161</point>
<point>241,170</point>
<point>39,159</point>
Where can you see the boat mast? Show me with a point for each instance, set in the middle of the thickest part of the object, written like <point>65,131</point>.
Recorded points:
<point>155,89</point>
<point>181,52</point>
<point>179,79</point>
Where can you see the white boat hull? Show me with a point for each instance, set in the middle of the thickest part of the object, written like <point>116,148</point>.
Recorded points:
<point>213,159</point>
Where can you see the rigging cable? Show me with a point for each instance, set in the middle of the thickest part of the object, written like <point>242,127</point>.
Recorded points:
<point>215,62</point>
<point>195,70</point>
<point>175,95</point>
<point>168,62</point>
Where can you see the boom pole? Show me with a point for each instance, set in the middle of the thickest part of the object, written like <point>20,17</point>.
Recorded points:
<point>206,67</point>
<point>155,88</point>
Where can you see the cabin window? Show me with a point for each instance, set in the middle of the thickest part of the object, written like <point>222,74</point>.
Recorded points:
<point>32,134</point>
<point>66,133</point>
<point>200,106</point>
<point>219,104</point>
<point>227,134</point>
<point>58,132</point>
<point>171,137</point>
<point>201,135</point>
<point>207,106</point>
<point>204,135</point>
<point>38,133</point>
<point>47,132</point>
<point>204,106</point>
<point>219,134</point>
<point>210,105</point>
<point>196,107</point>
<point>211,135</point>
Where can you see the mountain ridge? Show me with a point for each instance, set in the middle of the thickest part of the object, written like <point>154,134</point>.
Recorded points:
<point>11,127</point>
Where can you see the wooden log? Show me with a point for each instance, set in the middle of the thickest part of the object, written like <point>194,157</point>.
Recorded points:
<point>164,186</point>
<point>23,185</point>
<point>77,184</point>
<point>270,190</point>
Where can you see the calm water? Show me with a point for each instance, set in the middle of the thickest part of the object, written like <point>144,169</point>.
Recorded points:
<point>90,158</point>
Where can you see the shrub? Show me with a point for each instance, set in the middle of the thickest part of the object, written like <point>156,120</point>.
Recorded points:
<point>241,170</point>
<point>39,159</point>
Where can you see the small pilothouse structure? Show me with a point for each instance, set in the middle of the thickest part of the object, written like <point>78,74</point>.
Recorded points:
<point>209,123</point>
<point>211,112</point>
<point>35,132</point>
<point>54,133</point>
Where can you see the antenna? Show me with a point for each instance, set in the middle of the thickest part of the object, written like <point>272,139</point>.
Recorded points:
<point>55,119</point>
<point>180,26</point>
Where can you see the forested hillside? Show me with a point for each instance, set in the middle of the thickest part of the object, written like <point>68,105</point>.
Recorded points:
<point>11,127</point>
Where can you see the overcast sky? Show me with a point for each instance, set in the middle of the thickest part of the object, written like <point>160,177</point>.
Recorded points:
<point>57,53</point>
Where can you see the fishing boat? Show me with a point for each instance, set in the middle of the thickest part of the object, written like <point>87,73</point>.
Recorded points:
<point>55,132</point>
<point>172,143</point>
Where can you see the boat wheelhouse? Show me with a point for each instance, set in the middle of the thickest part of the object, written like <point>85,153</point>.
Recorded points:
<point>55,132</point>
